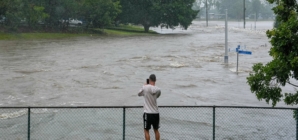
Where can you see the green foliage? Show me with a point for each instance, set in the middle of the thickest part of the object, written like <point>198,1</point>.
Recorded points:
<point>267,81</point>
<point>295,115</point>
<point>177,13</point>
<point>59,10</point>
<point>101,13</point>
<point>3,6</point>
<point>152,13</point>
<point>33,14</point>
<point>13,13</point>
<point>56,13</point>
<point>276,23</point>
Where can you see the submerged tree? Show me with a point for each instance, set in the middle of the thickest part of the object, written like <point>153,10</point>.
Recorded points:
<point>266,81</point>
<point>152,13</point>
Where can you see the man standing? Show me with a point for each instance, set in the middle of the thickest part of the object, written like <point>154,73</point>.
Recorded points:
<point>151,114</point>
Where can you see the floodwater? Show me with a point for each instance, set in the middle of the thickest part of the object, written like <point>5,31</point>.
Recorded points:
<point>189,65</point>
<point>109,71</point>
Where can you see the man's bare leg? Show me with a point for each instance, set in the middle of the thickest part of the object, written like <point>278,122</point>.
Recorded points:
<point>157,135</point>
<point>147,135</point>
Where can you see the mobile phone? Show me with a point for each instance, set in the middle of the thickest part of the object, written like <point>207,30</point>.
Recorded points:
<point>147,81</point>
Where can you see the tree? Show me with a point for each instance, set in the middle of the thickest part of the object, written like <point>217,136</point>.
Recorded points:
<point>152,13</point>
<point>60,11</point>
<point>267,81</point>
<point>13,12</point>
<point>32,13</point>
<point>101,13</point>
<point>267,11</point>
<point>56,13</point>
<point>235,7</point>
<point>51,6</point>
<point>256,7</point>
<point>3,7</point>
<point>201,6</point>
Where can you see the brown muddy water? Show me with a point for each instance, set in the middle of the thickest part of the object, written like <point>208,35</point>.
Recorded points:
<point>109,71</point>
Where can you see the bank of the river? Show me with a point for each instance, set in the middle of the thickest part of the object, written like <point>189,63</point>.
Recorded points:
<point>122,30</point>
<point>32,36</point>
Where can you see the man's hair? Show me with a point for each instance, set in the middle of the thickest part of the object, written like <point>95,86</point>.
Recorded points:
<point>152,77</point>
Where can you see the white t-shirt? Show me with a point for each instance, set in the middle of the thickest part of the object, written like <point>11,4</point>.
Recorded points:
<point>150,93</point>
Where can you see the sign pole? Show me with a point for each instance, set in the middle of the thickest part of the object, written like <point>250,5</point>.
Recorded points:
<point>237,50</point>
<point>206,13</point>
<point>255,21</point>
<point>237,61</point>
<point>244,14</point>
<point>226,39</point>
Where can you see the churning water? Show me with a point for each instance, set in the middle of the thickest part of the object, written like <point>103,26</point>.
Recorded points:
<point>109,71</point>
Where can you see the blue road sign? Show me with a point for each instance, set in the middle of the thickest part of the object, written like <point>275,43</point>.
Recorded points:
<point>244,52</point>
<point>232,50</point>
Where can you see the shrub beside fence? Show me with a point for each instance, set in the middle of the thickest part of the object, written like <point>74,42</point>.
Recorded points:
<point>122,122</point>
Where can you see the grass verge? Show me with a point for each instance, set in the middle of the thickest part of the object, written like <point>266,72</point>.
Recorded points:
<point>121,30</point>
<point>32,36</point>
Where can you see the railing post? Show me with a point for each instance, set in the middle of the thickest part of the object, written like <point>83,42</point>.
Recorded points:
<point>28,123</point>
<point>296,117</point>
<point>213,122</point>
<point>123,123</point>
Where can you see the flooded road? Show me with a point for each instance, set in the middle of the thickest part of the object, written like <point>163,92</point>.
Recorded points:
<point>110,70</point>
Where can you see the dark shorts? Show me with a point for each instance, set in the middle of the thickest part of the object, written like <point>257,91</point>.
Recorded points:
<point>151,119</point>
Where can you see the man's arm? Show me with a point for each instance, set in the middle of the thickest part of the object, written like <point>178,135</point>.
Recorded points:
<point>156,91</point>
<point>141,93</point>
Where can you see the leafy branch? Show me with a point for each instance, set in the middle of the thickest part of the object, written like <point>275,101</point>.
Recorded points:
<point>266,81</point>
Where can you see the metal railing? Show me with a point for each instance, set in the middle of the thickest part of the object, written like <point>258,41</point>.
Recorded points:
<point>125,122</point>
